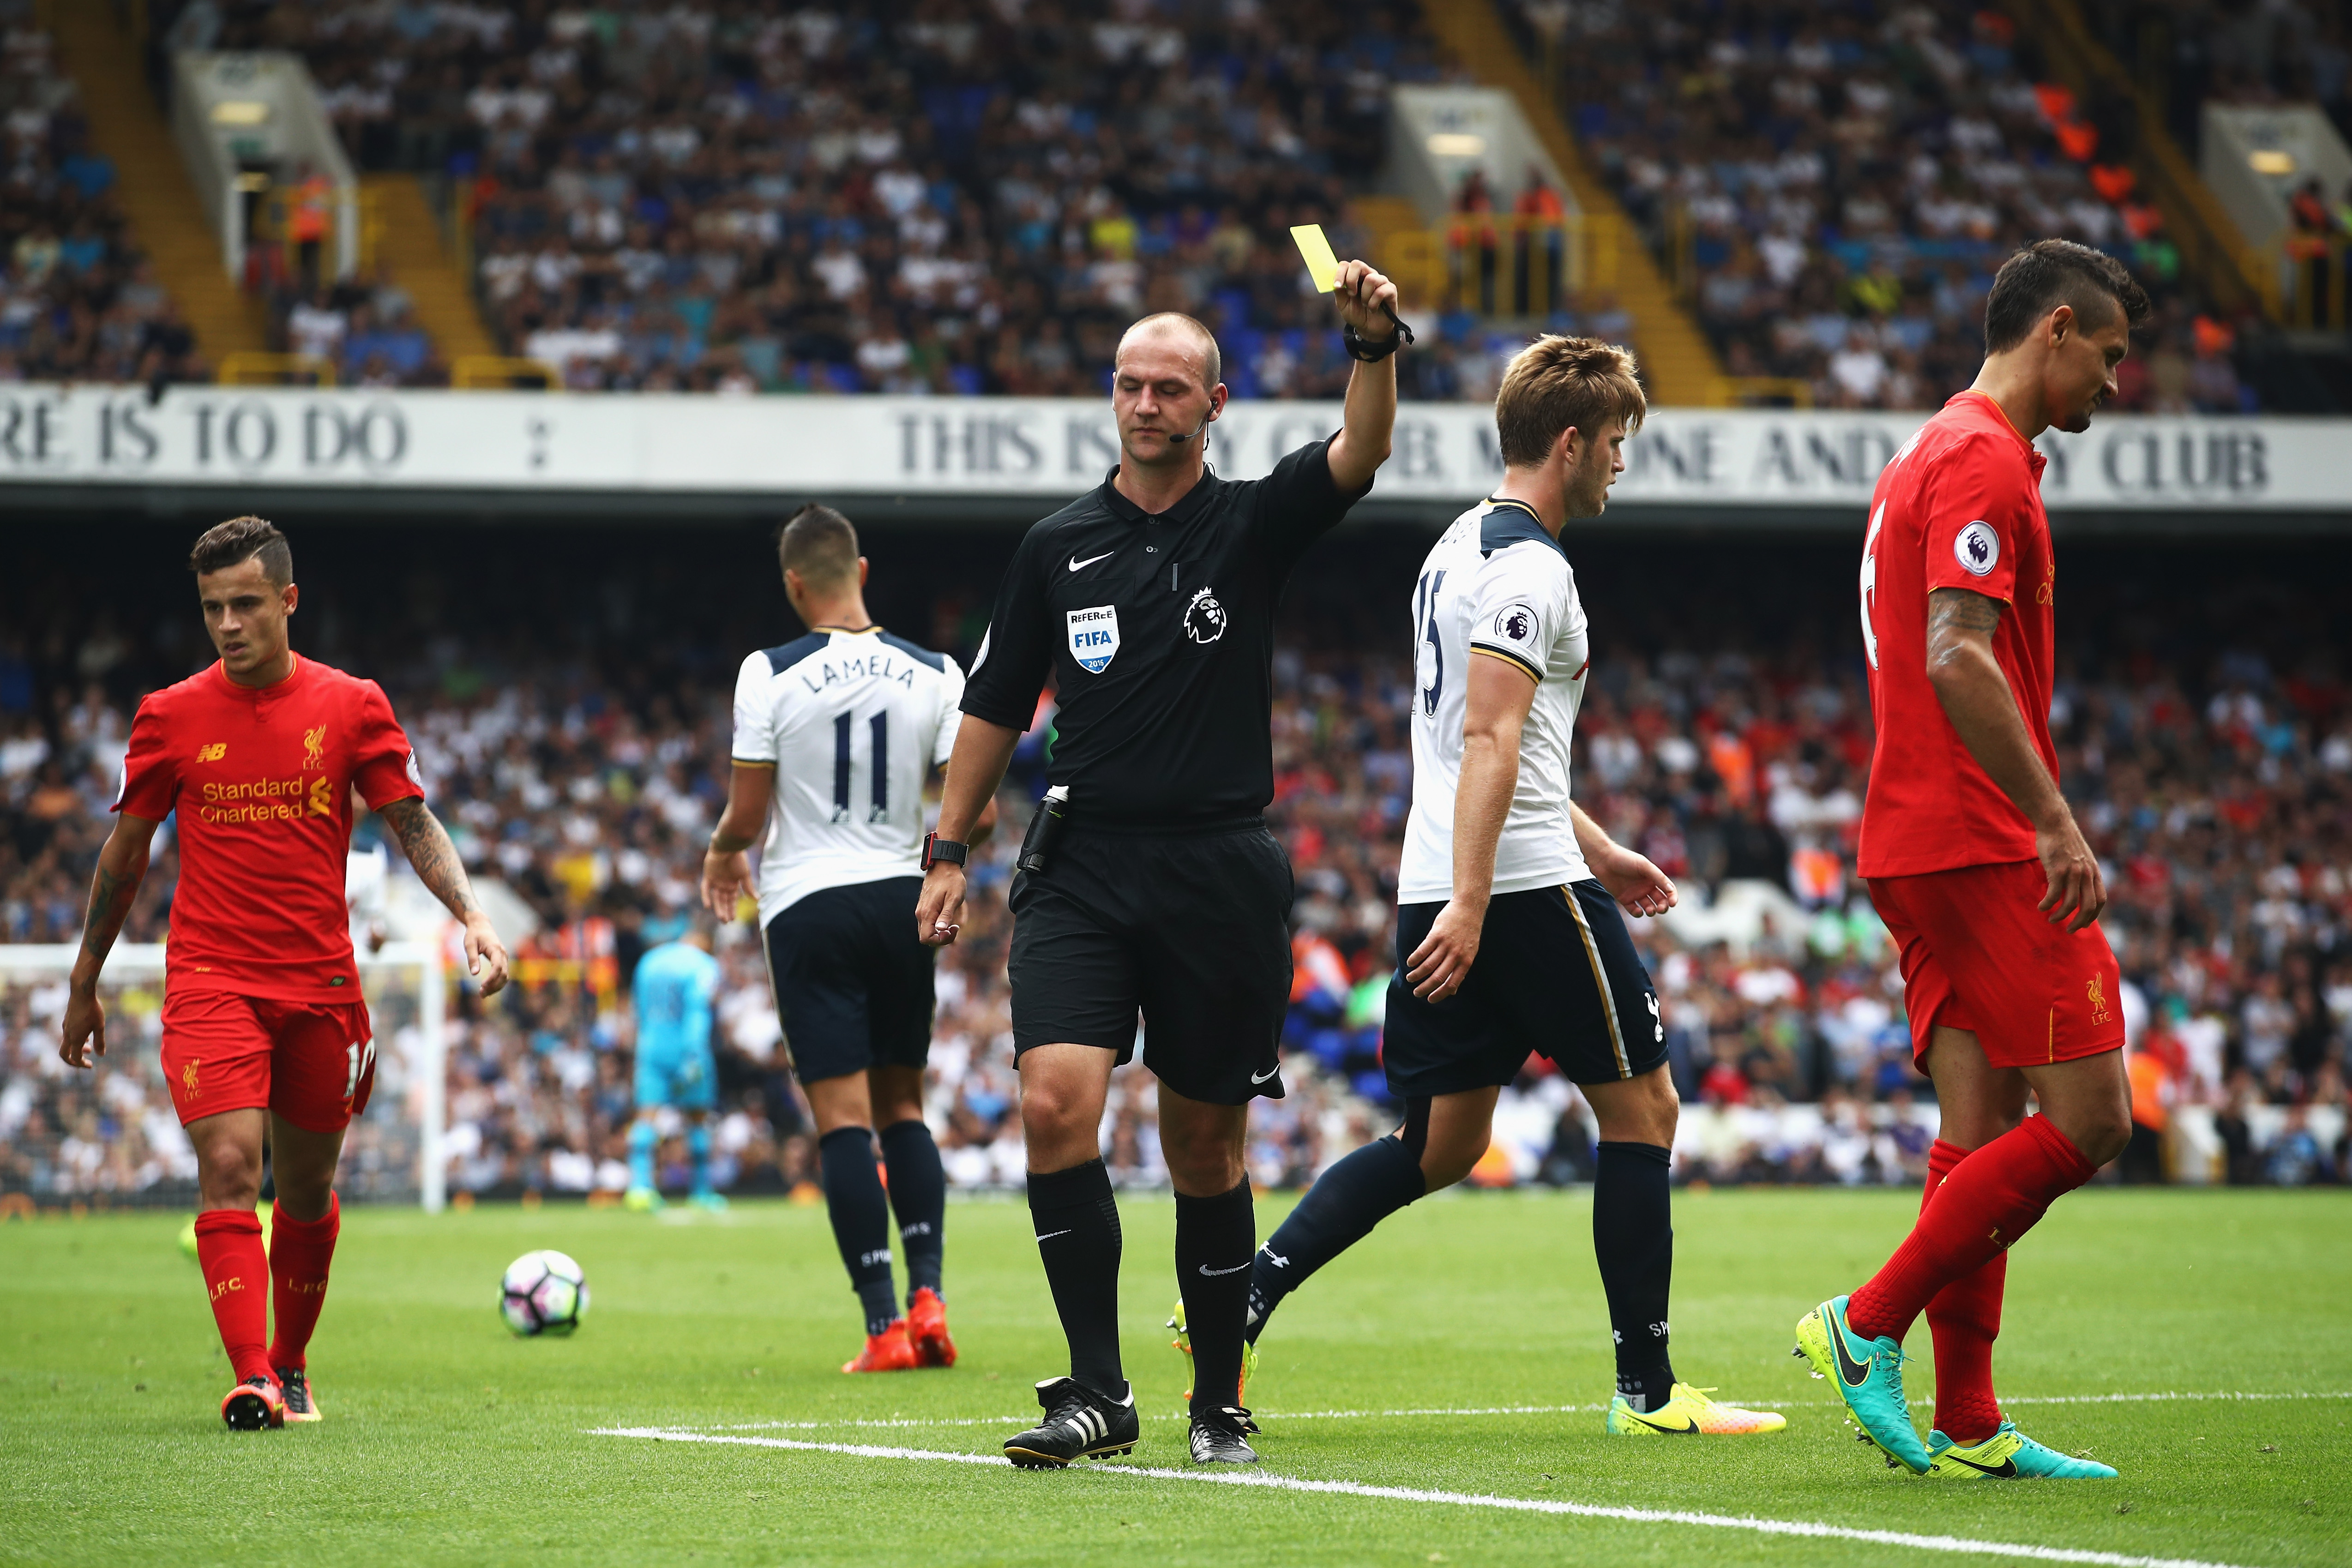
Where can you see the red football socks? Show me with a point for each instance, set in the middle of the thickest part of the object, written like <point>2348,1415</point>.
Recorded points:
<point>237,1271</point>
<point>1965,1317</point>
<point>300,1253</point>
<point>1992,1197</point>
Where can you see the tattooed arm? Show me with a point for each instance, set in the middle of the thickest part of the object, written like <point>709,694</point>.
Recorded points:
<point>121,866</point>
<point>1976,697</point>
<point>435,860</point>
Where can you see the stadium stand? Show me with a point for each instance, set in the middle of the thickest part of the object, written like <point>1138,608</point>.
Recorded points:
<point>578,754</point>
<point>79,298</point>
<point>1833,186</point>
<point>949,196</point>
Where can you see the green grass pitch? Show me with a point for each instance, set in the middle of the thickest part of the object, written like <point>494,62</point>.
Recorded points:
<point>448,1441</point>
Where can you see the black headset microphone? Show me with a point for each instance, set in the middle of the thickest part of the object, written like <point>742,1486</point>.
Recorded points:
<point>1180,436</point>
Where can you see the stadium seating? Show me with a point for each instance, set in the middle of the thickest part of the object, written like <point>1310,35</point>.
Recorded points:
<point>79,301</point>
<point>951,197</point>
<point>2215,792</point>
<point>1835,185</point>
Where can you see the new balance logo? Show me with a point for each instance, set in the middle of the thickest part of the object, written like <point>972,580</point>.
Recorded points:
<point>1212,1273</point>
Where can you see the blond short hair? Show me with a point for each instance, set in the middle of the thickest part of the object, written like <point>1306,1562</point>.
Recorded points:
<point>1555,382</point>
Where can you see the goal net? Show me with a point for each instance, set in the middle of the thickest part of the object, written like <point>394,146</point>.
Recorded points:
<point>109,1137</point>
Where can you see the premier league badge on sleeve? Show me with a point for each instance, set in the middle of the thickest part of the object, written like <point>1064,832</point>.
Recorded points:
<point>1094,637</point>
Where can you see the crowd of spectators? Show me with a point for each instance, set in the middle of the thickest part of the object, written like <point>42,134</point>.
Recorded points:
<point>1838,183</point>
<point>78,299</point>
<point>950,195</point>
<point>2206,743</point>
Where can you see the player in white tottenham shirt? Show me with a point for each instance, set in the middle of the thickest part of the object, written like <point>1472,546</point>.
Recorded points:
<point>837,733</point>
<point>1509,935</point>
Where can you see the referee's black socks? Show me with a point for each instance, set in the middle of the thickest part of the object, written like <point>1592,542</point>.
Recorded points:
<point>1215,1239</point>
<point>919,1195</point>
<point>1338,1211</point>
<point>1634,1241</point>
<point>1078,1239</point>
<point>861,1220</point>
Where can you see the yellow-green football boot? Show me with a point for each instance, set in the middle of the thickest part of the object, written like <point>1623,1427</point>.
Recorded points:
<point>2009,1454</point>
<point>1183,1342</point>
<point>1689,1413</point>
<point>1868,1375</point>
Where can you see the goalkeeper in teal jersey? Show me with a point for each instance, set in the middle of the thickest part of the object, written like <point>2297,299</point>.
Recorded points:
<point>675,987</point>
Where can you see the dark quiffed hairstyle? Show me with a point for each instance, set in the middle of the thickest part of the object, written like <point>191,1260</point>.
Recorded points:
<point>2053,272</point>
<point>241,539</point>
<point>820,544</point>
<point>1556,381</point>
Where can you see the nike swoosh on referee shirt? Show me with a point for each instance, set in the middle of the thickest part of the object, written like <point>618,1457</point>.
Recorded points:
<point>1262,1077</point>
<point>1077,565</point>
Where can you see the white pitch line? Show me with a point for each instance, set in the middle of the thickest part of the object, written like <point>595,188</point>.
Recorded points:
<point>1795,1527</point>
<point>901,1423</point>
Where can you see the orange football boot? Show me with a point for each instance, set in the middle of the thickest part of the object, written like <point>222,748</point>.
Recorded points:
<point>253,1404</point>
<point>926,1325</point>
<point>889,1351</point>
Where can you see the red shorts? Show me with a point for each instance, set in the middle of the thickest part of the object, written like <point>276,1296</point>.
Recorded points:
<point>1977,955</point>
<point>312,1064</point>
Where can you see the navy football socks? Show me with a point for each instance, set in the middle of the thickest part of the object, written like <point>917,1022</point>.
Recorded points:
<point>1634,1241</point>
<point>919,1195</point>
<point>861,1220</point>
<point>1338,1210</point>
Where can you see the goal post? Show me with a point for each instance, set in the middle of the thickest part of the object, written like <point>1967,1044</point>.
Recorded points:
<point>110,1137</point>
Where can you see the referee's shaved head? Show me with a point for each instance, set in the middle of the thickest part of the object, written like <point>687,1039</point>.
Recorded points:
<point>819,544</point>
<point>1176,324</point>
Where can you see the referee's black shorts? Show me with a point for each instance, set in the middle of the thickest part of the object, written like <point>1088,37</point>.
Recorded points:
<point>1191,928</point>
<point>1556,973</point>
<point>853,985</point>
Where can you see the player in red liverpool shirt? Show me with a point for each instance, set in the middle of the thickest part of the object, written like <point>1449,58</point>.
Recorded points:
<point>263,1022</point>
<point>1977,865</point>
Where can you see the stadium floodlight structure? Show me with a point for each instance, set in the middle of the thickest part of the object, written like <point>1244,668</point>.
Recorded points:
<point>124,1146</point>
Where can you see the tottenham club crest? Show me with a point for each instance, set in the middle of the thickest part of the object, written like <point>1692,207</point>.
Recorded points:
<point>1977,548</point>
<point>1094,637</point>
<point>1204,618</point>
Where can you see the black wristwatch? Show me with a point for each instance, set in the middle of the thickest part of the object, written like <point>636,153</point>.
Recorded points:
<point>1367,351</point>
<point>938,850</point>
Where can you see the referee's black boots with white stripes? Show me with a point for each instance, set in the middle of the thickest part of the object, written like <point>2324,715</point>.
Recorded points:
<point>1080,1424</point>
<point>1221,1436</point>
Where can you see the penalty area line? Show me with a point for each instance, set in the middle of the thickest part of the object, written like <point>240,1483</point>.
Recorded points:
<point>1806,1529</point>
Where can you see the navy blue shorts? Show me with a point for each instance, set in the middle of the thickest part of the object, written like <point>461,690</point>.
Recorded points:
<point>852,986</point>
<point>1556,974</point>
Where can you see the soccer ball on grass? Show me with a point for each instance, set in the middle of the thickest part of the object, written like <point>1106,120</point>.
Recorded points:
<point>544,1293</point>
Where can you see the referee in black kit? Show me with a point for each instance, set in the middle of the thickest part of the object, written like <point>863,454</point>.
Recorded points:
<point>1150,879</point>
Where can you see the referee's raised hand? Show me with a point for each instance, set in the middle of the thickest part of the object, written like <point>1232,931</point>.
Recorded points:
<point>1366,301</point>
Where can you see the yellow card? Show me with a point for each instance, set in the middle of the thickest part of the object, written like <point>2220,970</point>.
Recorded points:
<point>1322,265</point>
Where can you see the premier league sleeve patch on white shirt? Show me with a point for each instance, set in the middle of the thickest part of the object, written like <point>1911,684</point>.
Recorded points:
<point>1094,637</point>
<point>1977,548</point>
